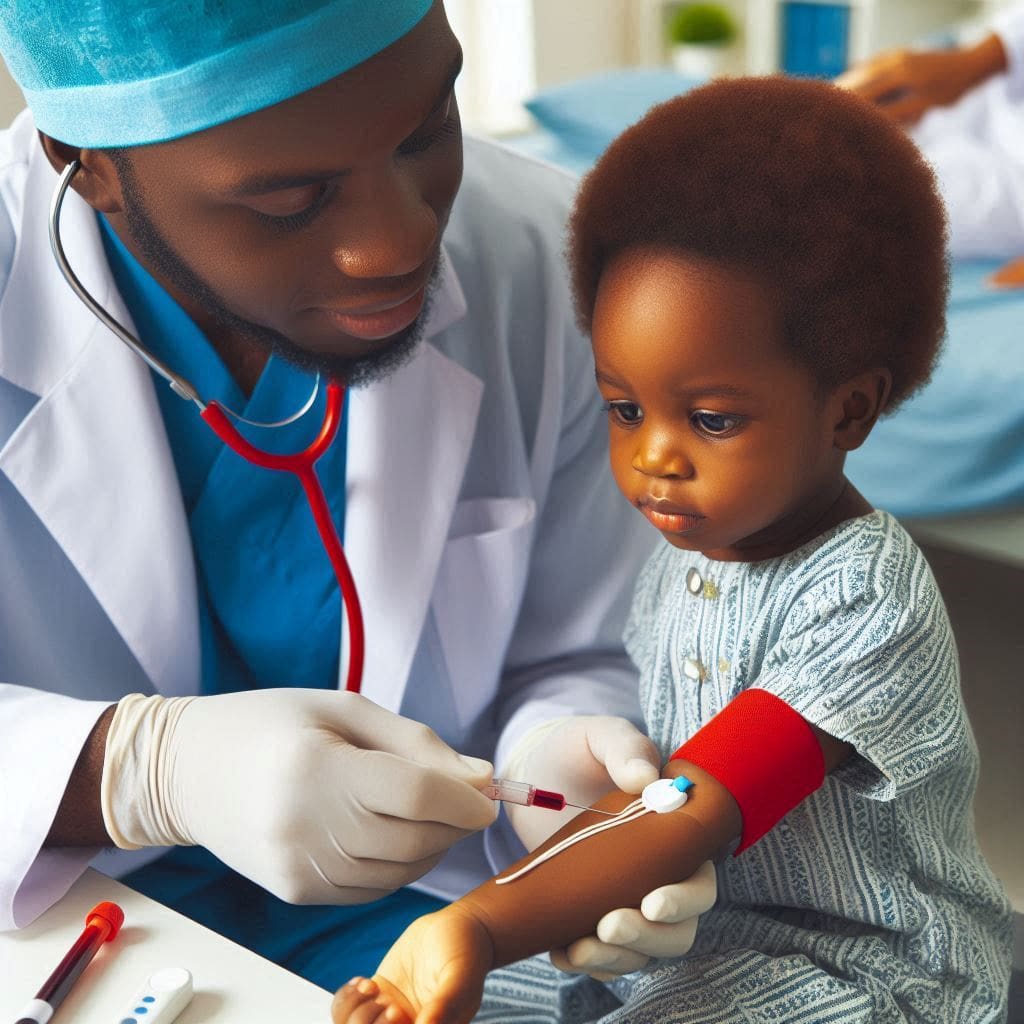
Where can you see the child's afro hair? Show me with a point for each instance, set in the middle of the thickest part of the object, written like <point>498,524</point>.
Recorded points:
<point>801,184</point>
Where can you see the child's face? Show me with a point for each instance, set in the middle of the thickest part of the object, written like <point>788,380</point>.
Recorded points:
<point>717,437</point>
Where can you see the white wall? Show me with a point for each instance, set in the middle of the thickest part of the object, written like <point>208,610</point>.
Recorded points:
<point>578,37</point>
<point>11,100</point>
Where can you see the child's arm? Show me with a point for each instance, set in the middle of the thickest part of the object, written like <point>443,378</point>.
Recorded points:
<point>566,896</point>
<point>437,967</point>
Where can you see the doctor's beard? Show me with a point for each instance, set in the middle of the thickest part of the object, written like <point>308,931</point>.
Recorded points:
<point>163,259</point>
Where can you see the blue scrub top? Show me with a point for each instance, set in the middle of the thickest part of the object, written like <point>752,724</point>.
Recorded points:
<point>269,604</point>
<point>269,615</point>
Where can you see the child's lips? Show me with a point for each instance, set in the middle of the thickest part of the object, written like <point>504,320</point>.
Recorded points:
<point>669,518</point>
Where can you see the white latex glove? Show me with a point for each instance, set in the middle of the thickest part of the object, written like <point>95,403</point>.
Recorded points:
<point>319,796</point>
<point>584,757</point>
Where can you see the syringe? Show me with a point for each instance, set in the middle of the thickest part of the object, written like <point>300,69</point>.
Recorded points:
<point>530,796</point>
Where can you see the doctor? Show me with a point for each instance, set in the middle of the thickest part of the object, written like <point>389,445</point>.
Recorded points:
<point>964,107</point>
<point>267,190</point>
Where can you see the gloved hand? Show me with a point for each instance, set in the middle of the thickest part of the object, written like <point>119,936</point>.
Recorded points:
<point>664,926</point>
<point>318,796</point>
<point>584,757</point>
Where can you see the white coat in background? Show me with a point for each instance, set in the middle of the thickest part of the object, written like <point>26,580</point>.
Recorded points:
<point>976,147</point>
<point>493,555</point>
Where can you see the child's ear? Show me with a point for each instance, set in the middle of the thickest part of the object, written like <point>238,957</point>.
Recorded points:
<point>859,402</point>
<point>96,181</point>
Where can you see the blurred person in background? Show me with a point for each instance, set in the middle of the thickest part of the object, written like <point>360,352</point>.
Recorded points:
<point>964,107</point>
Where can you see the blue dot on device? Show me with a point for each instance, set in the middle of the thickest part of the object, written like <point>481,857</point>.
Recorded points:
<point>129,1020</point>
<point>140,1009</point>
<point>149,999</point>
<point>682,783</point>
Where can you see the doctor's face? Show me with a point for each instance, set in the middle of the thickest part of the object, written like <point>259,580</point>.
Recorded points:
<point>721,440</point>
<point>311,227</point>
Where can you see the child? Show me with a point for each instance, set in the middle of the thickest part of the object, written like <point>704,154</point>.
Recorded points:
<point>760,264</point>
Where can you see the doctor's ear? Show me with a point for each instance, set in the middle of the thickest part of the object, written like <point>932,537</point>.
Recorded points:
<point>97,181</point>
<point>858,402</point>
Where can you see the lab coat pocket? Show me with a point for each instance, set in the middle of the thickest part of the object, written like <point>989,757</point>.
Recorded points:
<point>476,597</point>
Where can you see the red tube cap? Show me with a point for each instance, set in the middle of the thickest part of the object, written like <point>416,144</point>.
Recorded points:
<point>106,915</point>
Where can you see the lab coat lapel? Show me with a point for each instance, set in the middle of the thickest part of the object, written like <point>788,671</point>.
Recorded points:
<point>409,440</point>
<point>91,458</point>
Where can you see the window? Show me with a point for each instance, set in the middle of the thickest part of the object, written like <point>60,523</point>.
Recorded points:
<point>498,74</point>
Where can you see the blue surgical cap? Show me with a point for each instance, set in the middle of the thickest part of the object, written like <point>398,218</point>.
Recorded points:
<point>127,72</point>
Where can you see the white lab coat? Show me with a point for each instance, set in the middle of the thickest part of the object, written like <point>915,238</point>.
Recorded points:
<point>493,557</point>
<point>976,148</point>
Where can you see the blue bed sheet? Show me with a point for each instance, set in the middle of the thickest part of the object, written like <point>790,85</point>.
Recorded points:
<point>958,445</point>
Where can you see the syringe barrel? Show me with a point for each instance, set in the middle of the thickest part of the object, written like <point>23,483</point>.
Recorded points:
<point>510,792</point>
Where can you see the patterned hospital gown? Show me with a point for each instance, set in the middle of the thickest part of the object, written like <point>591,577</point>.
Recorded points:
<point>868,903</point>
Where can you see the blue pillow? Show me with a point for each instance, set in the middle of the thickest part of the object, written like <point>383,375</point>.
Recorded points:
<point>586,114</point>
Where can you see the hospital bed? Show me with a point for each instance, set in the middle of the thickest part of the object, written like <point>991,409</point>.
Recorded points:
<point>949,463</point>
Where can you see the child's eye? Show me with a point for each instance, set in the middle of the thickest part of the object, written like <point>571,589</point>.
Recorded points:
<point>714,423</point>
<point>629,414</point>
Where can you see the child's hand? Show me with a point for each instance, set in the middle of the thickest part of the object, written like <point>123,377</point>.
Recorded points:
<point>433,974</point>
<point>366,1000</point>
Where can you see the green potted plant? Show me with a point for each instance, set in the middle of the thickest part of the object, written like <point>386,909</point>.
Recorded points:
<point>700,36</point>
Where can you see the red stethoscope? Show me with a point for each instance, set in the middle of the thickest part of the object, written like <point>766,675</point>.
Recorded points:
<point>216,416</point>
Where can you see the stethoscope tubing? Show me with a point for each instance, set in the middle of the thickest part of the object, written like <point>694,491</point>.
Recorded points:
<point>216,415</point>
<point>301,464</point>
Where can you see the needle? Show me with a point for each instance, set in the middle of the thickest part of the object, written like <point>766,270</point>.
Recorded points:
<point>593,810</point>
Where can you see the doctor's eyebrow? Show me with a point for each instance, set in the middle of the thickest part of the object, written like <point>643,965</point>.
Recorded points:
<point>260,184</point>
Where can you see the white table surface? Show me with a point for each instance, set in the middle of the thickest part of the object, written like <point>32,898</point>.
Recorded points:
<point>231,984</point>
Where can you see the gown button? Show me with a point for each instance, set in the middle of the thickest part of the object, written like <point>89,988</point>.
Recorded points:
<point>694,670</point>
<point>694,582</point>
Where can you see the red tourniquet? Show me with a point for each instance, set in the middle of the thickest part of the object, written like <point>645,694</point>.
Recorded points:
<point>764,753</point>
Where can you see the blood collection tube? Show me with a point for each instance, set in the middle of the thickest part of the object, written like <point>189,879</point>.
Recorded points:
<point>525,794</point>
<point>101,925</point>
<point>530,796</point>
